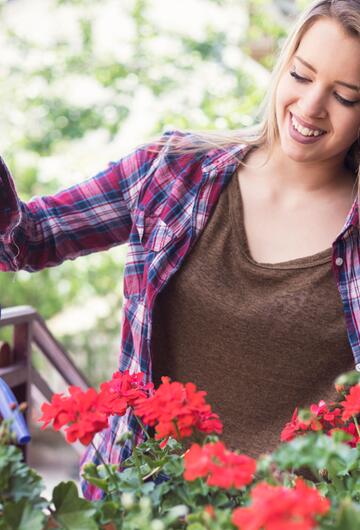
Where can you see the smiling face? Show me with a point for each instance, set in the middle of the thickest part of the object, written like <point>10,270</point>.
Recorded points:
<point>318,96</point>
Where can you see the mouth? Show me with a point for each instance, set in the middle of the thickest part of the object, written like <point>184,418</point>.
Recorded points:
<point>304,129</point>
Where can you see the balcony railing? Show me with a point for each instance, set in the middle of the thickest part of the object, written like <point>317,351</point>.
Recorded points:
<point>16,365</point>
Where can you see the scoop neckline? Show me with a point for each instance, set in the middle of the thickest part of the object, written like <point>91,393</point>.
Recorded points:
<point>238,220</point>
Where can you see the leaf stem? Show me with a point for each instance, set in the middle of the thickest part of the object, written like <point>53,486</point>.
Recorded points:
<point>357,425</point>
<point>107,467</point>
<point>137,464</point>
<point>152,472</point>
<point>143,428</point>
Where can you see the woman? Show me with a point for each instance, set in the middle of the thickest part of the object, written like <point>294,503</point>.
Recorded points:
<point>243,269</point>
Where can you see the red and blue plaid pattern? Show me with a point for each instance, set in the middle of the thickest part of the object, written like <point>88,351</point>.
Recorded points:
<point>158,202</point>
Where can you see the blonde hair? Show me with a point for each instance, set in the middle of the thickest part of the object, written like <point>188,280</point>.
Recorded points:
<point>347,13</point>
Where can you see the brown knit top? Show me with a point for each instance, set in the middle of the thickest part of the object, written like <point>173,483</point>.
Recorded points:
<point>260,338</point>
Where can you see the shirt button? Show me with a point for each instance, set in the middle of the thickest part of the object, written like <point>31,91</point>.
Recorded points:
<point>339,262</point>
<point>357,367</point>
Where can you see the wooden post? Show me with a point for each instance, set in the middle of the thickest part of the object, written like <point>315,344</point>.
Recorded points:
<point>22,354</point>
<point>6,355</point>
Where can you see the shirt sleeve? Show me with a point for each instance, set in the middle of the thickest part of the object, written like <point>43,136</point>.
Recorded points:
<point>93,215</point>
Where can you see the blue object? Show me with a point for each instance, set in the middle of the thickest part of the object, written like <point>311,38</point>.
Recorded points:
<point>18,424</point>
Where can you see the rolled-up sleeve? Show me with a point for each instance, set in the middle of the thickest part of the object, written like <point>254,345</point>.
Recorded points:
<point>94,215</point>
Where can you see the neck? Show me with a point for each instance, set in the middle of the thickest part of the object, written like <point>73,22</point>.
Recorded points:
<point>286,176</point>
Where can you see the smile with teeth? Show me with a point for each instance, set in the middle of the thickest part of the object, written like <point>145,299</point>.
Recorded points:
<point>304,130</point>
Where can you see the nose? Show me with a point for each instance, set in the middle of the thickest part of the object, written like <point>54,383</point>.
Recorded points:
<point>313,103</point>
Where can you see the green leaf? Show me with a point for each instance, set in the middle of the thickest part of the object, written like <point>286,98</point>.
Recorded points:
<point>108,511</point>
<point>348,517</point>
<point>316,452</point>
<point>348,379</point>
<point>101,483</point>
<point>17,480</point>
<point>21,515</point>
<point>72,512</point>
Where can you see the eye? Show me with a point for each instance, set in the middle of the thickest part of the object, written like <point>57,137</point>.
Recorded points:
<point>340,99</point>
<point>345,102</point>
<point>298,77</point>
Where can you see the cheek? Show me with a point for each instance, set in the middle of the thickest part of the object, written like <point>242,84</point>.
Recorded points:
<point>347,128</point>
<point>284,97</point>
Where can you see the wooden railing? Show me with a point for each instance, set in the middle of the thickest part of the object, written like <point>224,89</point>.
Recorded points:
<point>16,366</point>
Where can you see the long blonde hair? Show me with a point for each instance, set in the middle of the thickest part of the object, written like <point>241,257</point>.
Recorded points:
<point>347,13</point>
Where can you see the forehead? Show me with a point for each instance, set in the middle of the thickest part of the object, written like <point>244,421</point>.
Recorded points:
<point>328,47</point>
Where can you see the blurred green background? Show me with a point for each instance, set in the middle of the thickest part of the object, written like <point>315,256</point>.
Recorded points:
<point>83,82</point>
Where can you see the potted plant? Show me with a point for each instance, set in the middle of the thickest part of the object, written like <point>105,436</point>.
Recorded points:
<point>184,477</point>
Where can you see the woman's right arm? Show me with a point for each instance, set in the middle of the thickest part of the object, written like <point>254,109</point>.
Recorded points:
<point>94,215</point>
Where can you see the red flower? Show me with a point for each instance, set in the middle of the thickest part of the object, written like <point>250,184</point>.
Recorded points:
<point>352,403</point>
<point>291,429</point>
<point>59,412</point>
<point>81,411</point>
<point>210,510</point>
<point>280,508</point>
<point>123,391</point>
<point>177,410</point>
<point>352,431</point>
<point>320,417</point>
<point>223,468</point>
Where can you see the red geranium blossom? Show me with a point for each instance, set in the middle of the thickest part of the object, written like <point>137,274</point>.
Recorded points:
<point>352,403</point>
<point>122,391</point>
<point>177,410</point>
<point>59,412</point>
<point>321,417</point>
<point>280,508</point>
<point>81,411</point>
<point>352,431</point>
<point>223,468</point>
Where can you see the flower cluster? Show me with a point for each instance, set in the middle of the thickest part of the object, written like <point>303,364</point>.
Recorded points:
<point>174,409</point>
<point>177,410</point>
<point>123,391</point>
<point>351,404</point>
<point>320,417</point>
<point>280,508</point>
<point>221,467</point>
<point>81,411</point>
<point>240,492</point>
<point>327,418</point>
<point>87,412</point>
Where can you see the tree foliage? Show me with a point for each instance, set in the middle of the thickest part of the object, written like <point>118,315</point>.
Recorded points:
<point>76,80</point>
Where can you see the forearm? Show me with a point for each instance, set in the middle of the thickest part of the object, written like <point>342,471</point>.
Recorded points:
<point>85,218</point>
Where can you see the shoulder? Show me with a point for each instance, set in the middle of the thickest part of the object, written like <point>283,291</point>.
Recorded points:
<point>171,145</point>
<point>176,156</point>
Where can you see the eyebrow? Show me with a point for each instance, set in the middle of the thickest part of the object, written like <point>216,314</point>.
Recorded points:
<point>348,85</point>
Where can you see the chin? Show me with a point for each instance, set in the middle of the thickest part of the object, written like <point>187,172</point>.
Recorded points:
<point>297,153</point>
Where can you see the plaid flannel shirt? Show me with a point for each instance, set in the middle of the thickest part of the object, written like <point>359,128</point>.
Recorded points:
<point>157,202</point>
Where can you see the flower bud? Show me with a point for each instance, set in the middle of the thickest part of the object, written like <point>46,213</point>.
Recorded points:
<point>89,467</point>
<point>157,525</point>
<point>323,473</point>
<point>23,406</point>
<point>208,513</point>
<point>127,500</point>
<point>128,435</point>
<point>145,504</point>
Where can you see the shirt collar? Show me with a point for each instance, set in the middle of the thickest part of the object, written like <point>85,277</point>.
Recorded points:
<point>217,159</point>
<point>352,220</point>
